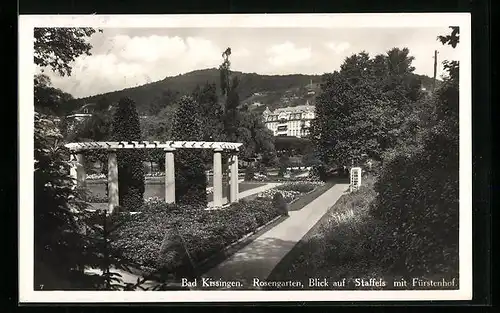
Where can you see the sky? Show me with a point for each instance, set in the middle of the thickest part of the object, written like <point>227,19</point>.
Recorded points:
<point>123,58</point>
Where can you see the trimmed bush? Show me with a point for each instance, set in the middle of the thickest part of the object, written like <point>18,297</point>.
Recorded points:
<point>249,173</point>
<point>282,171</point>
<point>126,127</point>
<point>190,178</point>
<point>280,204</point>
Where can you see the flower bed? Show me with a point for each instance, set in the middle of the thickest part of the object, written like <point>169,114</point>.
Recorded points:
<point>95,176</point>
<point>168,239</point>
<point>103,176</point>
<point>291,191</point>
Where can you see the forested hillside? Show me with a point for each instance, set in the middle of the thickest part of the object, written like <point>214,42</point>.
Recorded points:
<point>270,90</point>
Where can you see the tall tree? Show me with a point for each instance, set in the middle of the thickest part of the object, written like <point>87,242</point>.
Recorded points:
<point>229,89</point>
<point>126,127</point>
<point>190,178</point>
<point>363,107</point>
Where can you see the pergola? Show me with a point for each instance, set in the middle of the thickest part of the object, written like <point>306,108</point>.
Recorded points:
<point>79,175</point>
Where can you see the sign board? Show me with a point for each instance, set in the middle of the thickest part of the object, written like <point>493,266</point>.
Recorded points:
<point>355,178</point>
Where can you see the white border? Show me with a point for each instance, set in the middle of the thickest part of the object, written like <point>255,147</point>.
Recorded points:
<point>27,70</point>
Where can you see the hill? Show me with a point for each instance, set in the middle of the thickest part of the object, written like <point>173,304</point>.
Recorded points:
<point>255,90</point>
<point>250,84</point>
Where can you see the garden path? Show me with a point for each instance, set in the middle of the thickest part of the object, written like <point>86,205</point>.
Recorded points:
<point>258,259</point>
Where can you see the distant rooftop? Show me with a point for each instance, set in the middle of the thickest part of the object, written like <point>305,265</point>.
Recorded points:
<point>299,108</point>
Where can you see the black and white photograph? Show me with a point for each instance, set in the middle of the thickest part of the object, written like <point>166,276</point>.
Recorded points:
<point>229,157</point>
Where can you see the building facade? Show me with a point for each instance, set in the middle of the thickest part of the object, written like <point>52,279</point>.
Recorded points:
<point>290,121</point>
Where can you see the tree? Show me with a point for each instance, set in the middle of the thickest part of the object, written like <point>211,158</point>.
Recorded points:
<point>58,47</point>
<point>363,108</point>
<point>167,98</point>
<point>47,99</point>
<point>158,128</point>
<point>58,245</point>
<point>126,127</point>
<point>190,178</point>
<point>211,112</point>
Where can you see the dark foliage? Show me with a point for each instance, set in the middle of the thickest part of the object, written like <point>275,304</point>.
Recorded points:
<point>249,173</point>
<point>280,204</point>
<point>418,192</point>
<point>126,127</point>
<point>190,178</point>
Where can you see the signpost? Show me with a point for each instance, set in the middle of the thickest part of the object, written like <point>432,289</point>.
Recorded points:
<point>355,178</point>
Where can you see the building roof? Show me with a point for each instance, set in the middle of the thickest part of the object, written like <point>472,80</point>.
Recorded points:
<point>296,109</point>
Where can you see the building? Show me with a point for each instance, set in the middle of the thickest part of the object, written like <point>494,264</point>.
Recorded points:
<point>290,121</point>
<point>82,113</point>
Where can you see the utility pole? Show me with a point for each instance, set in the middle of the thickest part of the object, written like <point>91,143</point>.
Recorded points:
<point>435,71</point>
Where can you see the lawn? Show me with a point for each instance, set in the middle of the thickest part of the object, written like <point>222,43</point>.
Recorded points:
<point>157,190</point>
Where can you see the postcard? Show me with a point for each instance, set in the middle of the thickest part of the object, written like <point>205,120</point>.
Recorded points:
<point>245,158</point>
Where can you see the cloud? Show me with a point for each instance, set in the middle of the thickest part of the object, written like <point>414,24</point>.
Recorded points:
<point>338,47</point>
<point>126,61</point>
<point>288,54</point>
<point>123,58</point>
<point>149,49</point>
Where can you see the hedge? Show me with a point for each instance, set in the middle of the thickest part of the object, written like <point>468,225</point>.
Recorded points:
<point>418,203</point>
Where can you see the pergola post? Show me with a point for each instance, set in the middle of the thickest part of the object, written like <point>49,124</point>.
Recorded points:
<point>217,178</point>
<point>81,176</point>
<point>113,198</point>
<point>169,175</point>
<point>73,171</point>
<point>233,193</point>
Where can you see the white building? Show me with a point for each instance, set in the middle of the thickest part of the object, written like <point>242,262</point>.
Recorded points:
<point>290,121</point>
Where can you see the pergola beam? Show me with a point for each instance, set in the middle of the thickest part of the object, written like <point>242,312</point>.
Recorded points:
<point>113,145</point>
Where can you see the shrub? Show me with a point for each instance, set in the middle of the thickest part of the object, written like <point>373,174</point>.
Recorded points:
<point>249,173</point>
<point>318,172</point>
<point>280,204</point>
<point>418,204</point>
<point>282,171</point>
<point>262,169</point>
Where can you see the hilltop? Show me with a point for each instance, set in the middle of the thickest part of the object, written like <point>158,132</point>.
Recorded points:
<point>255,90</point>
<point>273,87</point>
